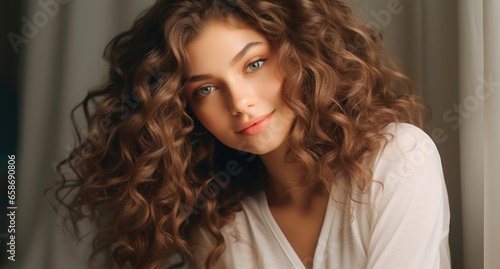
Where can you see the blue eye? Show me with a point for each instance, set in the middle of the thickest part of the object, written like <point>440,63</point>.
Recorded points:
<point>255,65</point>
<point>204,91</point>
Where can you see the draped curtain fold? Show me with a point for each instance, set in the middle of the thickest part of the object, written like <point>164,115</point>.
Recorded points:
<point>491,36</point>
<point>468,114</point>
<point>449,48</point>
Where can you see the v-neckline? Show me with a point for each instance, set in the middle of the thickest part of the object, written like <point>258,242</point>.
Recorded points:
<point>283,241</point>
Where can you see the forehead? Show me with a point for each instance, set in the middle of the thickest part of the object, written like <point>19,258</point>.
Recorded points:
<point>217,43</point>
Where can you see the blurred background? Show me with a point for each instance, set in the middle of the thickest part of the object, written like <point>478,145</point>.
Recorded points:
<point>50,56</point>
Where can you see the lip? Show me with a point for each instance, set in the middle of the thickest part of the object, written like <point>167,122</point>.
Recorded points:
<point>255,125</point>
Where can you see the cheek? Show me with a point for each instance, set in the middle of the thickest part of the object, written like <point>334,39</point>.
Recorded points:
<point>268,85</point>
<point>273,88</point>
<point>209,116</point>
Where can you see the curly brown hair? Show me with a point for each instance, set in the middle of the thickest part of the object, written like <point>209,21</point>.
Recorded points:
<point>146,173</point>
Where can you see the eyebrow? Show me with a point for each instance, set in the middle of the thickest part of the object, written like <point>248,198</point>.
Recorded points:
<point>235,59</point>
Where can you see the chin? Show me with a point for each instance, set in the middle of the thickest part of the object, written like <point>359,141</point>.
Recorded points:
<point>262,146</point>
<point>259,151</point>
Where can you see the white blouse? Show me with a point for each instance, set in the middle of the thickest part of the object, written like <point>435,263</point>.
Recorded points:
<point>402,223</point>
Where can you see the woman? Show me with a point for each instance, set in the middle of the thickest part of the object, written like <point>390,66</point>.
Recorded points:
<point>256,134</point>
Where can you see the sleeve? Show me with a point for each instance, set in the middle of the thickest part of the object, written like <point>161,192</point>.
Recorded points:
<point>411,217</point>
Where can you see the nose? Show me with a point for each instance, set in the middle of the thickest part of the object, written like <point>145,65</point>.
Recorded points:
<point>241,97</point>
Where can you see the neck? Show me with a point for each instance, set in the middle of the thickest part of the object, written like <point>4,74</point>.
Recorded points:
<point>285,187</point>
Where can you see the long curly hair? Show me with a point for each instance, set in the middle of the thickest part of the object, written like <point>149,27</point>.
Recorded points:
<point>146,173</point>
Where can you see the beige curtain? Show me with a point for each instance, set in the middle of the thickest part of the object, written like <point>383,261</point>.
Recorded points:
<point>491,38</point>
<point>66,39</point>
<point>479,113</point>
<point>447,47</point>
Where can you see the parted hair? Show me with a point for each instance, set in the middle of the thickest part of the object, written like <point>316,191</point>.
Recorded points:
<point>145,172</point>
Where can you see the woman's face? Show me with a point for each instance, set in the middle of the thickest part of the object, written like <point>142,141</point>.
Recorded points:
<point>234,88</point>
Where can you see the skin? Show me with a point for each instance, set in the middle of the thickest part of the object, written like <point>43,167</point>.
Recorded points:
<point>234,79</point>
<point>225,92</point>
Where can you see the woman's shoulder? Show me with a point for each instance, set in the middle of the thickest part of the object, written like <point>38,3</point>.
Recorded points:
<point>411,203</point>
<point>239,234</point>
<point>405,135</point>
<point>408,144</point>
<point>409,159</point>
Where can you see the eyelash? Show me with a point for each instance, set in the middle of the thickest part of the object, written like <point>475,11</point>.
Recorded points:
<point>196,93</point>
<point>263,60</point>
